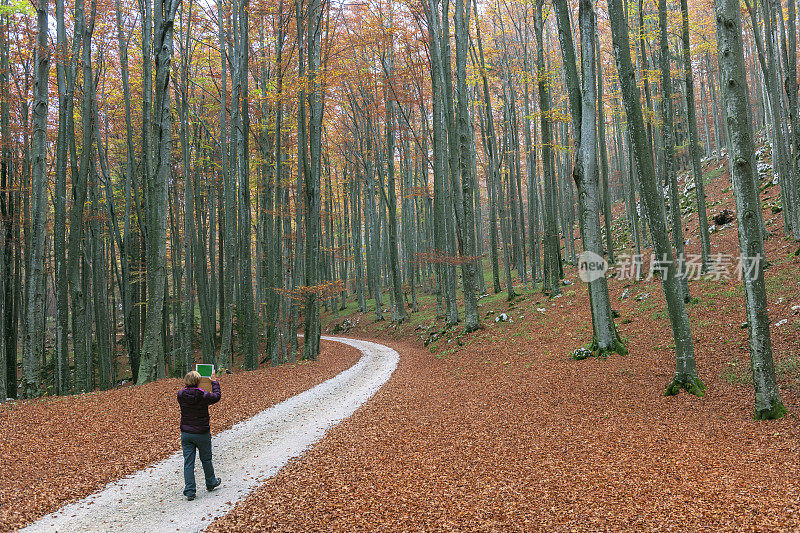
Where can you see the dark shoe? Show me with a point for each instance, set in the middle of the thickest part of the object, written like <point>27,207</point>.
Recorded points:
<point>190,497</point>
<point>215,485</point>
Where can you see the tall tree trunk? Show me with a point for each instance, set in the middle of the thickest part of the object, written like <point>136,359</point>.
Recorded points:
<point>668,129</point>
<point>64,72</point>
<point>585,171</point>
<point>768,403</point>
<point>489,144</point>
<point>275,255</point>
<point>152,363</point>
<point>551,283</point>
<point>399,306</point>
<point>467,226</point>
<point>694,140</point>
<point>34,283</point>
<point>505,231</point>
<point>312,181</point>
<point>530,164</point>
<point>685,366</point>
<point>8,326</point>
<point>227,248</point>
<point>791,88</point>
<point>247,328</point>
<point>75,266</point>
<point>601,138</point>
<point>128,245</point>
<point>189,223</point>
<point>99,290</point>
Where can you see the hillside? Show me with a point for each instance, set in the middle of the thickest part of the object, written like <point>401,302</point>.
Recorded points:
<point>499,429</point>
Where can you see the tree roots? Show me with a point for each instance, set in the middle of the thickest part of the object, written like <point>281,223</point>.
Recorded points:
<point>691,384</point>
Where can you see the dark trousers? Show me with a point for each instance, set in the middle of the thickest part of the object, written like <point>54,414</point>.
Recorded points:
<point>202,443</point>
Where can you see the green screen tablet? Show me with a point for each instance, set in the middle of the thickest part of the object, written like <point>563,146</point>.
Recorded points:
<point>204,370</point>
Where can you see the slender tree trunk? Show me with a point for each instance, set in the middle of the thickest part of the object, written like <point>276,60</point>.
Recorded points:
<point>791,88</point>
<point>228,251</point>
<point>64,71</point>
<point>585,171</point>
<point>152,363</point>
<point>505,231</point>
<point>275,255</point>
<point>8,352</point>
<point>667,115</point>
<point>601,141</point>
<point>768,403</point>
<point>248,328</point>
<point>685,366</point>
<point>489,144</point>
<point>34,283</point>
<point>551,283</point>
<point>99,290</point>
<point>355,208</point>
<point>128,245</point>
<point>468,256</point>
<point>694,140</point>
<point>75,266</point>
<point>312,182</point>
<point>399,307</point>
<point>189,223</point>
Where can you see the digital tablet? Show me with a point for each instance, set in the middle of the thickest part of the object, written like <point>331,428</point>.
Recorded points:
<point>204,370</point>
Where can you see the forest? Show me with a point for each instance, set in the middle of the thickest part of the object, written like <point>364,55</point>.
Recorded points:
<point>186,182</point>
<point>553,210</point>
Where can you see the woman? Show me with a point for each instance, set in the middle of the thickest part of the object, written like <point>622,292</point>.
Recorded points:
<point>196,431</point>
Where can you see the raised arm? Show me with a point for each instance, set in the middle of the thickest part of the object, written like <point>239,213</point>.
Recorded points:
<point>215,395</point>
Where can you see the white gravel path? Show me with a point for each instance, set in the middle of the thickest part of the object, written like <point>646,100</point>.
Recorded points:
<point>151,500</point>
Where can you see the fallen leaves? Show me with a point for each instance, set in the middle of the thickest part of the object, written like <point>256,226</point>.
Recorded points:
<point>483,439</point>
<point>59,449</point>
<point>535,450</point>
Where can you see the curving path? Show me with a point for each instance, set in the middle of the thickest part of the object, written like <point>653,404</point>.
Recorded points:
<point>151,500</point>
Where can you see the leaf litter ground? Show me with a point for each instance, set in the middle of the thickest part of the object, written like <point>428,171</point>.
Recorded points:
<point>502,430</point>
<point>57,450</point>
<point>507,432</point>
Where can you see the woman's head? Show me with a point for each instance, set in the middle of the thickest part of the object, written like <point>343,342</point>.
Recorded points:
<point>192,378</point>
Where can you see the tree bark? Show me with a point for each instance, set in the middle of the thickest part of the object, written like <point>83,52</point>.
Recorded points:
<point>551,284</point>
<point>668,129</point>
<point>768,403</point>
<point>467,227</point>
<point>152,364</point>
<point>585,171</point>
<point>75,266</point>
<point>685,366</point>
<point>694,140</point>
<point>228,251</point>
<point>247,328</point>
<point>312,182</point>
<point>65,72</point>
<point>34,282</point>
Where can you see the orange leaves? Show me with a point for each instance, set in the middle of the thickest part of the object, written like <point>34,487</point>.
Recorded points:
<point>326,289</point>
<point>59,449</point>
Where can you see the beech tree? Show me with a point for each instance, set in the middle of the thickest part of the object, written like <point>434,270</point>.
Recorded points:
<point>583,104</point>
<point>768,403</point>
<point>551,247</point>
<point>685,365</point>
<point>34,280</point>
<point>694,140</point>
<point>152,363</point>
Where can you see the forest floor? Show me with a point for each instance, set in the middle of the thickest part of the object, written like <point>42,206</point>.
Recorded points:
<point>501,429</point>
<point>152,500</point>
<point>57,450</point>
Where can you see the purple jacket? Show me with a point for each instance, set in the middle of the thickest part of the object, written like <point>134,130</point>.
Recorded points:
<point>194,404</point>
